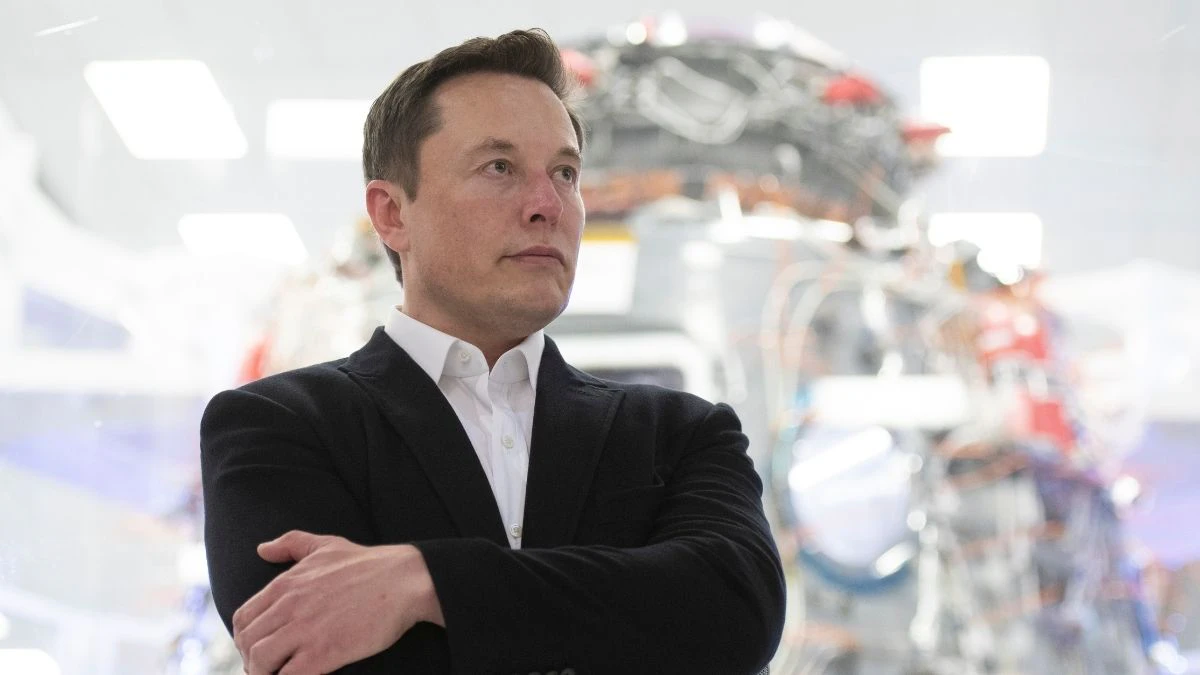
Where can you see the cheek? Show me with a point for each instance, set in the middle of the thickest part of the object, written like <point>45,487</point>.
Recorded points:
<point>575,219</point>
<point>574,202</point>
<point>471,235</point>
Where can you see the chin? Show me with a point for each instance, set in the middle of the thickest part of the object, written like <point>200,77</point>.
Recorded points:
<point>540,313</point>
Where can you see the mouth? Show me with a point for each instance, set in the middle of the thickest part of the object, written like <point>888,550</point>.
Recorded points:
<point>540,254</point>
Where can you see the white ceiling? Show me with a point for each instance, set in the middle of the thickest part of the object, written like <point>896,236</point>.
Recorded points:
<point>1120,176</point>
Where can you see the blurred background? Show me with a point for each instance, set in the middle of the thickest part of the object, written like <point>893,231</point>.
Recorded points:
<point>942,257</point>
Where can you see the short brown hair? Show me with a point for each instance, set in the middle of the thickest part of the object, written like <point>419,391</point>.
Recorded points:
<point>404,114</point>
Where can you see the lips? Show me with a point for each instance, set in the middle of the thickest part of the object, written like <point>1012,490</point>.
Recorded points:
<point>542,252</point>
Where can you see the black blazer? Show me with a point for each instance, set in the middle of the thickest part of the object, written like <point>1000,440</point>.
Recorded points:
<point>645,547</point>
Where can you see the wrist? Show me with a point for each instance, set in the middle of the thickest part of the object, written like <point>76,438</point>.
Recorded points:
<point>423,594</point>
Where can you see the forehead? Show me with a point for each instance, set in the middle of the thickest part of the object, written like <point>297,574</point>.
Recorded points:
<point>502,105</point>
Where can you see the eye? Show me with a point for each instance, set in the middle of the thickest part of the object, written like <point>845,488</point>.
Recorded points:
<point>499,166</point>
<point>569,174</point>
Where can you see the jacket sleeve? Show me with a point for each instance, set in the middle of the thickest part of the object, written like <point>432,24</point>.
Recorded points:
<point>704,595</point>
<point>265,472</point>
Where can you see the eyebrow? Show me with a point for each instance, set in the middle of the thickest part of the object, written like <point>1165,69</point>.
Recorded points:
<point>493,144</point>
<point>571,153</point>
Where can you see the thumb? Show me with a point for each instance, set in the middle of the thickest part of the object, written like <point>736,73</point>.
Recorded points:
<point>295,545</point>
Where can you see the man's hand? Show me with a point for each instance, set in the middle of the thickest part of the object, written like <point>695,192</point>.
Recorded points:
<point>339,604</point>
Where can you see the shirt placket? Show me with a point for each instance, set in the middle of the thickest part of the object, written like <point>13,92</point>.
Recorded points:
<point>506,442</point>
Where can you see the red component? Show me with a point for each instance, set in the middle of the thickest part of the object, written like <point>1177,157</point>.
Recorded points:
<point>1015,344</point>
<point>1048,422</point>
<point>1011,330</point>
<point>254,366</point>
<point>580,65</point>
<point>923,132</point>
<point>1043,420</point>
<point>852,89</point>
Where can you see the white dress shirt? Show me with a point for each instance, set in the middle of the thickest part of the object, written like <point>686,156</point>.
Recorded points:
<point>495,408</point>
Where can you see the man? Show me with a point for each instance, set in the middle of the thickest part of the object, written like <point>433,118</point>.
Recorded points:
<point>453,497</point>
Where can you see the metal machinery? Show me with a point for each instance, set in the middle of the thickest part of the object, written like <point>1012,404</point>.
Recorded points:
<point>937,495</point>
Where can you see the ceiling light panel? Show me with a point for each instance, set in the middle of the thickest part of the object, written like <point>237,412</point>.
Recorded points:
<point>167,109</point>
<point>995,106</point>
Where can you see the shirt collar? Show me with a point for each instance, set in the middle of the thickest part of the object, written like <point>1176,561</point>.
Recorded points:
<point>439,354</point>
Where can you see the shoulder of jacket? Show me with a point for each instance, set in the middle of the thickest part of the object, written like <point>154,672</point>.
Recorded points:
<point>317,386</point>
<point>654,399</point>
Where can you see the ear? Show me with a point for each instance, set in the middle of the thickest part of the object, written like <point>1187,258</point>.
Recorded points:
<point>386,205</point>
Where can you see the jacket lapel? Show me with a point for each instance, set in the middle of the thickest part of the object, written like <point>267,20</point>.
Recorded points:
<point>571,420</point>
<point>420,413</point>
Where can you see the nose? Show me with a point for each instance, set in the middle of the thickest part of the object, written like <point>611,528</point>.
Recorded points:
<point>543,202</point>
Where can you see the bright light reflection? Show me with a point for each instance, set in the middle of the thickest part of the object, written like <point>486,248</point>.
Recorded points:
<point>995,106</point>
<point>170,109</point>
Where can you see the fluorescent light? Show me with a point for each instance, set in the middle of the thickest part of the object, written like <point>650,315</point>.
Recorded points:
<point>1006,241</point>
<point>167,109</point>
<point>672,31</point>
<point>995,106</point>
<point>270,236</point>
<point>772,33</point>
<point>316,128</point>
<point>833,230</point>
<point>28,662</point>
<point>896,402</point>
<point>635,33</point>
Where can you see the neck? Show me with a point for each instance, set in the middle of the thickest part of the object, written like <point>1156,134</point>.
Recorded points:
<point>492,343</point>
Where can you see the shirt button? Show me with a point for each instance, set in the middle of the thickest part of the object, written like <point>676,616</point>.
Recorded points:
<point>464,357</point>
<point>515,531</point>
<point>507,442</point>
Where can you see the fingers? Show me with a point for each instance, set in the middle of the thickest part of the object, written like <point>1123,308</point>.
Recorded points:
<point>252,608</point>
<point>278,621</point>
<point>264,627</point>
<point>268,655</point>
<point>262,602</point>
<point>293,667</point>
<point>294,545</point>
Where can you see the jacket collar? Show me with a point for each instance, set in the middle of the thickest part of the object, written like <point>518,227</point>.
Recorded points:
<point>573,413</point>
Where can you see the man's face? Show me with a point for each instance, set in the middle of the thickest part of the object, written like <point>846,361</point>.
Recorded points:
<point>494,232</point>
